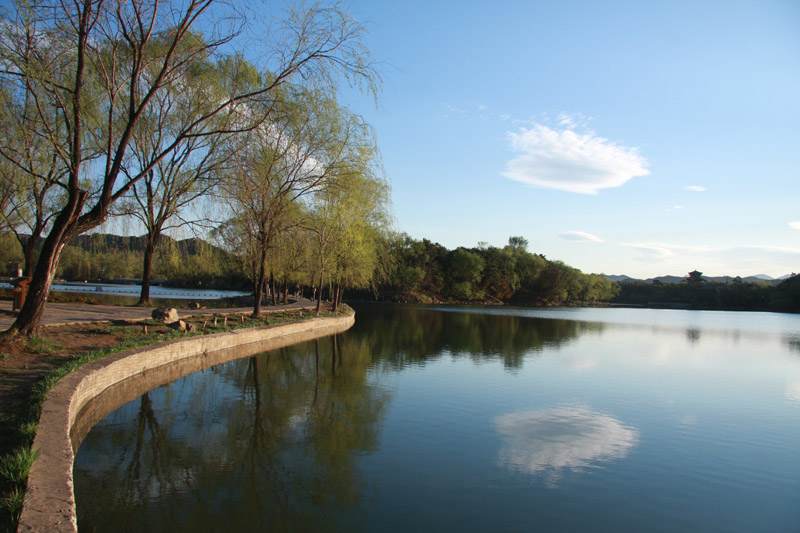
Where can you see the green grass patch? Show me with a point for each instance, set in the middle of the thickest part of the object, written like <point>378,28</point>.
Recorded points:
<point>42,345</point>
<point>14,469</point>
<point>11,503</point>
<point>14,466</point>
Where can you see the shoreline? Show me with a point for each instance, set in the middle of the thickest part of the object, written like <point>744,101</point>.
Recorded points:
<point>50,502</point>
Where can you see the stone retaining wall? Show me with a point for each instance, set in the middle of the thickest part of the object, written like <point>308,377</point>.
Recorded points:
<point>50,500</point>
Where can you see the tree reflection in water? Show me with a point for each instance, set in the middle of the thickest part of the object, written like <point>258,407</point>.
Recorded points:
<point>278,439</point>
<point>283,451</point>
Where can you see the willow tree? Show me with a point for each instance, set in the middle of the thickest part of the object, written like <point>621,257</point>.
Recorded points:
<point>167,196</point>
<point>100,65</point>
<point>348,217</point>
<point>360,223</point>
<point>28,169</point>
<point>301,148</point>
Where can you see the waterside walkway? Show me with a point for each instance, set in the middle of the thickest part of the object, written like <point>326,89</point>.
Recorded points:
<point>71,313</point>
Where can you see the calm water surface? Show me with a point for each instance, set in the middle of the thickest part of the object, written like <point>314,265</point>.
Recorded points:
<point>469,419</point>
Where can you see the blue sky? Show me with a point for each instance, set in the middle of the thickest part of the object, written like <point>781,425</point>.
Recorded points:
<point>644,138</point>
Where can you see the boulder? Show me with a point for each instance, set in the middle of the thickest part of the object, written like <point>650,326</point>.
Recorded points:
<point>167,315</point>
<point>180,325</point>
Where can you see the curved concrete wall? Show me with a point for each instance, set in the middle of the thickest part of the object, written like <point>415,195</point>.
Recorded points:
<point>69,410</point>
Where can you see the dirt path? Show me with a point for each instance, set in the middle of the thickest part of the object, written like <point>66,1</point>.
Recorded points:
<point>70,313</point>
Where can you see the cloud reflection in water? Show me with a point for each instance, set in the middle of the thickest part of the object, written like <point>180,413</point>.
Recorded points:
<point>545,442</point>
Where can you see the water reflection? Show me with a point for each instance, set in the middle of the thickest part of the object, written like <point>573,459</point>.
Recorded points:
<point>412,335</point>
<point>793,391</point>
<point>792,342</point>
<point>546,442</point>
<point>277,435</point>
<point>404,423</point>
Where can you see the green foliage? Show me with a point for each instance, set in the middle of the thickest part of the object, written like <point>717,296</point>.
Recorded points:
<point>11,505</point>
<point>465,270</point>
<point>9,251</point>
<point>14,466</point>
<point>735,295</point>
<point>427,271</point>
<point>786,296</point>
<point>186,263</point>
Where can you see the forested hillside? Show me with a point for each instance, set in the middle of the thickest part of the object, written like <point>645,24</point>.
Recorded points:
<point>105,257</point>
<point>417,271</point>
<point>699,293</point>
<point>426,271</point>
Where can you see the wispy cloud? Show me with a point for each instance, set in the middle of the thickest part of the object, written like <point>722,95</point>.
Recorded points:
<point>469,110</point>
<point>795,224</point>
<point>695,188</point>
<point>567,160</point>
<point>651,253</point>
<point>580,236</point>
<point>717,259</point>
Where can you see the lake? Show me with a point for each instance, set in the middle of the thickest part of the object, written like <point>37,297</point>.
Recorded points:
<point>469,419</point>
<point>157,292</point>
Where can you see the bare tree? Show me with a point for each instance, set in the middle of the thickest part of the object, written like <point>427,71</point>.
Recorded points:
<point>99,66</point>
<point>182,178</point>
<point>28,169</point>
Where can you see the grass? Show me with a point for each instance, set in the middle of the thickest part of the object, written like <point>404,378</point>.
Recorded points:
<point>11,504</point>
<point>14,468</point>
<point>42,345</point>
<point>23,420</point>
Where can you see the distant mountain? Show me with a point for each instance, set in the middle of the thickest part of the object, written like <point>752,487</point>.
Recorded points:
<point>613,277</point>
<point>759,278</point>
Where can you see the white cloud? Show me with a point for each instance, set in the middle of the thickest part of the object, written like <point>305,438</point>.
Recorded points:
<point>549,441</point>
<point>695,188</point>
<point>795,224</point>
<point>580,236</point>
<point>651,253</point>
<point>570,161</point>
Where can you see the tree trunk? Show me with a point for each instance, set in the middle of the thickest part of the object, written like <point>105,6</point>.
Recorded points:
<point>335,297</point>
<point>259,291</point>
<point>260,283</point>
<point>28,250</point>
<point>272,288</point>
<point>285,290</point>
<point>319,292</point>
<point>30,316</point>
<point>64,228</point>
<point>147,270</point>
